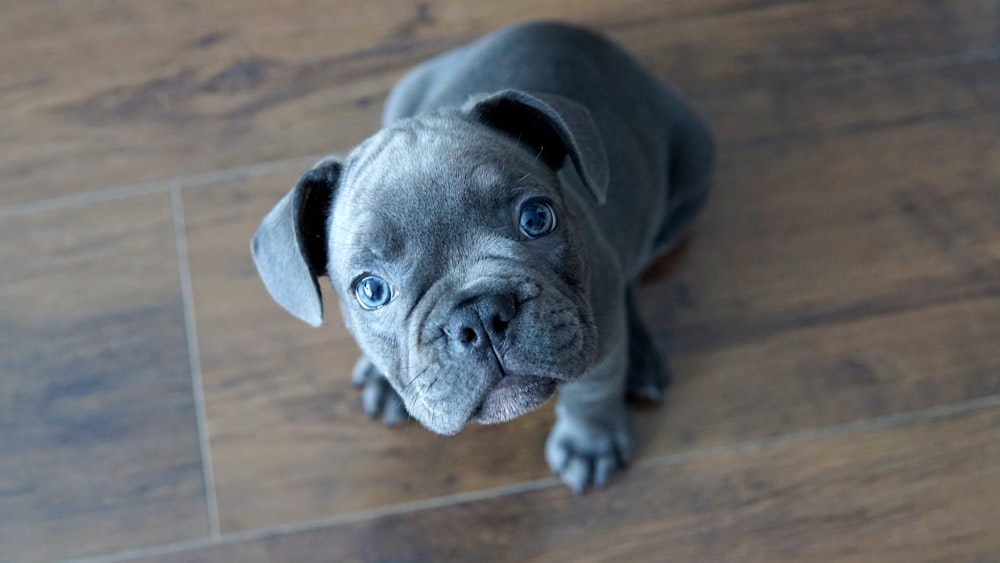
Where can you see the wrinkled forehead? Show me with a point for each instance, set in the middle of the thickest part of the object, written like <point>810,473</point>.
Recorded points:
<point>421,176</point>
<point>435,154</point>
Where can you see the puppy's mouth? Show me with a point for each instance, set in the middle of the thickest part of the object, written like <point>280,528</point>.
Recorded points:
<point>512,396</point>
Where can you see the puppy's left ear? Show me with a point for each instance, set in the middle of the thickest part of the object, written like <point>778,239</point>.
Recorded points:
<point>289,247</point>
<point>554,127</point>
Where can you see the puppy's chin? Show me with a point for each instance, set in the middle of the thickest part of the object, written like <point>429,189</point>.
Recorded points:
<point>510,397</point>
<point>513,396</point>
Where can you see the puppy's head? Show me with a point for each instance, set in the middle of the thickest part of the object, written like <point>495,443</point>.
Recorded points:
<point>455,252</point>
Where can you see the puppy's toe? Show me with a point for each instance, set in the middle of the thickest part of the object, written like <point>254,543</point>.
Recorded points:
<point>651,391</point>
<point>576,474</point>
<point>604,466</point>
<point>394,412</point>
<point>377,395</point>
<point>374,395</point>
<point>648,376</point>
<point>363,372</point>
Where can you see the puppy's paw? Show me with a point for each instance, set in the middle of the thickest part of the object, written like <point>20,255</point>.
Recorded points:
<point>648,376</point>
<point>582,451</point>
<point>377,396</point>
<point>649,373</point>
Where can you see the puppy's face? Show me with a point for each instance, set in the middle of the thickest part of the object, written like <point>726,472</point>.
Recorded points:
<point>460,271</point>
<point>459,264</point>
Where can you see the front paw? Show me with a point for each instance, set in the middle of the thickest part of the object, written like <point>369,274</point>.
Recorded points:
<point>377,396</point>
<point>582,451</point>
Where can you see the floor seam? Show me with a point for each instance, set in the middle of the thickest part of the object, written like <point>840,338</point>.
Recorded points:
<point>194,360</point>
<point>844,429</point>
<point>708,336</point>
<point>202,179</point>
<point>301,163</point>
<point>858,426</point>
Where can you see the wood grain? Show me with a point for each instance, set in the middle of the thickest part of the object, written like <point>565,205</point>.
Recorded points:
<point>98,443</point>
<point>923,491</point>
<point>847,268</point>
<point>280,406</point>
<point>787,312</point>
<point>800,234</point>
<point>142,92</point>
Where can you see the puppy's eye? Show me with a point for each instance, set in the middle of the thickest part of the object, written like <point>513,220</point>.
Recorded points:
<point>372,292</point>
<point>537,219</point>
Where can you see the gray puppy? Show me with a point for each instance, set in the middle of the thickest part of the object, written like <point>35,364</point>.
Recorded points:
<point>486,243</point>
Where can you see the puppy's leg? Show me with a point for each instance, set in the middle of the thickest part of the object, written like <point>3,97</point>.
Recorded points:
<point>692,156</point>
<point>592,436</point>
<point>377,396</point>
<point>412,93</point>
<point>648,372</point>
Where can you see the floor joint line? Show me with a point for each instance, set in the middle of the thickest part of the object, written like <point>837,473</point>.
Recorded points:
<point>102,195</point>
<point>194,360</point>
<point>842,429</point>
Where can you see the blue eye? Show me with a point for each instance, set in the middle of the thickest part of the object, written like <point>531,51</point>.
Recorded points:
<point>372,292</point>
<point>537,219</point>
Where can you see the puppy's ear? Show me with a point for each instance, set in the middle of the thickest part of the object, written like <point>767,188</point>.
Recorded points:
<point>289,247</point>
<point>554,127</point>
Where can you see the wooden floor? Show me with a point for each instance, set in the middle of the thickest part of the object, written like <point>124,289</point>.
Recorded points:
<point>834,324</point>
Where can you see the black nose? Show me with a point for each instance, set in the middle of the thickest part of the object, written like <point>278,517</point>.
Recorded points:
<point>481,322</point>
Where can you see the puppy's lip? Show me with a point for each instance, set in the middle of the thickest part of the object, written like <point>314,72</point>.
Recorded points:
<point>512,396</point>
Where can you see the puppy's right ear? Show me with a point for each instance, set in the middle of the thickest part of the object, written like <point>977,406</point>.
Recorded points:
<point>289,247</point>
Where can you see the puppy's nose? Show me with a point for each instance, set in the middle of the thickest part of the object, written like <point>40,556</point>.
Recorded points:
<point>482,321</point>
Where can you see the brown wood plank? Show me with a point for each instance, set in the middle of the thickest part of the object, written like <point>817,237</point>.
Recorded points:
<point>142,92</point>
<point>779,69</point>
<point>847,268</point>
<point>828,374</point>
<point>921,491</point>
<point>755,356</point>
<point>290,443</point>
<point>98,441</point>
<point>805,233</point>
